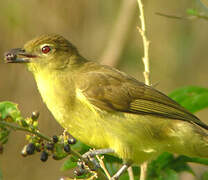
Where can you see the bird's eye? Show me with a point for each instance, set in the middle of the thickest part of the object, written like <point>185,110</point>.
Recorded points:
<point>46,49</point>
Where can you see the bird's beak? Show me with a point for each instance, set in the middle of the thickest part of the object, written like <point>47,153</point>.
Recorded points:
<point>18,55</point>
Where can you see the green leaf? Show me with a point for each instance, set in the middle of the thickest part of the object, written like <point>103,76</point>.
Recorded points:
<point>179,164</point>
<point>68,164</point>
<point>192,12</point>
<point>170,174</point>
<point>198,160</point>
<point>156,167</point>
<point>80,147</point>
<point>59,151</point>
<point>9,109</point>
<point>167,166</point>
<point>111,159</point>
<point>124,176</point>
<point>192,98</point>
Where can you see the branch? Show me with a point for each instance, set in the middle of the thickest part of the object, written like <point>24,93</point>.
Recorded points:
<point>146,72</point>
<point>16,127</point>
<point>142,31</point>
<point>189,17</point>
<point>102,165</point>
<point>90,164</point>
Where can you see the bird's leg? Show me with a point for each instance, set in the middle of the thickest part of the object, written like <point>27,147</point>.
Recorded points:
<point>91,153</point>
<point>121,171</point>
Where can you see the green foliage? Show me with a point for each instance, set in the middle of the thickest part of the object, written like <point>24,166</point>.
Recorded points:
<point>69,164</point>
<point>192,98</point>
<point>72,161</point>
<point>9,113</point>
<point>192,12</point>
<point>9,109</point>
<point>166,166</point>
<point>80,147</point>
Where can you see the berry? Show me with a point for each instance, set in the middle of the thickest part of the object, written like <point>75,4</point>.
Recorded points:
<point>67,148</point>
<point>79,172</point>
<point>35,115</point>
<point>71,141</point>
<point>50,146</point>
<point>30,149</point>
<point>55,139</point>
<point>44,156</point>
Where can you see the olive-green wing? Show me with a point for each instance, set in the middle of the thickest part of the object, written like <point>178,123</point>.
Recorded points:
<point>112,90</point>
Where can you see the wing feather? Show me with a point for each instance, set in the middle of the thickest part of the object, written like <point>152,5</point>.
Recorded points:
<point>112,90</point>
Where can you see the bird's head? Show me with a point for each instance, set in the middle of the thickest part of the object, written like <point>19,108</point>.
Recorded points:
<point>46,51</point>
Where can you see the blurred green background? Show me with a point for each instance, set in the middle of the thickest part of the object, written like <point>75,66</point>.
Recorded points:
<point>105,31</point>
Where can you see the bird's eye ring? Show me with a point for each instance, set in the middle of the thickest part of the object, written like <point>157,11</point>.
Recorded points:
<point>46,49</point>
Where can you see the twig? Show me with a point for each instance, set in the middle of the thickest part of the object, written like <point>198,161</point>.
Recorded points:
<point>90,164</point>
<point>169,16</point>
<point>16,127</point>
<point>143,172</point>
<point>190,17</point>
<point>102,165</point>
<point>142,31</point>
<point>130,172</point>
<point>117,39</point>
<point>146,72</point>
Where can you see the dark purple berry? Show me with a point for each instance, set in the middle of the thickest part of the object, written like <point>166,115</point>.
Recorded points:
<point>55,139</point>
<point>79,172</point>
<point>30,149</point>
<point>44,156</point>
<point>71,141</point>
<point>67,148</point>
<point>35,115</point>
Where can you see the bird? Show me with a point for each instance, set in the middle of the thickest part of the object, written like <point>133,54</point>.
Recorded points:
<point>107,109</point>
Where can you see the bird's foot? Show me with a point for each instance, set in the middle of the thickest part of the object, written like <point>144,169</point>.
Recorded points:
<point>90,155</point>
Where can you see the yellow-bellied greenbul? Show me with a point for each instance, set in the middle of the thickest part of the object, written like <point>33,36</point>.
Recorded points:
<point>106,108</point>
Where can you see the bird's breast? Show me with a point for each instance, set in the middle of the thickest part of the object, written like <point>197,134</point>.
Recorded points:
<point>71,108</point>
<point>56,93</point>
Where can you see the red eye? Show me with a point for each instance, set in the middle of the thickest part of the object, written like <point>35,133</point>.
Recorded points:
<point>46,49</point>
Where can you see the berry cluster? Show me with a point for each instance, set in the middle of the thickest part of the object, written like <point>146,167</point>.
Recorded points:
<point>58,147</point>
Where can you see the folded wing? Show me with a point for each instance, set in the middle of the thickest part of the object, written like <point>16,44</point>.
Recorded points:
<point>112,90</point>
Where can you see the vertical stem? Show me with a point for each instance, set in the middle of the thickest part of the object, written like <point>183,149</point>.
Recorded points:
<point>143,171</point>
<point>130,172</point>
<point>142,31</point>
<point>145,59</point>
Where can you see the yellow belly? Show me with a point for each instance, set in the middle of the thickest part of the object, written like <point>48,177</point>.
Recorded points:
<point>132,137</point>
